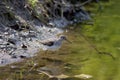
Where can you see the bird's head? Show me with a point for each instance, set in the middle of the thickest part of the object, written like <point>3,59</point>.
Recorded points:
<point>64,38</point>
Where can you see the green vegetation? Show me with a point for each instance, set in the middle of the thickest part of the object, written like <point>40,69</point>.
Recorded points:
<point>33,2</point>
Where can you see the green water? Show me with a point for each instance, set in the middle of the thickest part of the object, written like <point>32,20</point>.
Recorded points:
<point>105,35</point>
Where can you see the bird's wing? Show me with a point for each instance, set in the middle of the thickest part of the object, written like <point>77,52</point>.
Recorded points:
<point>50,43</point>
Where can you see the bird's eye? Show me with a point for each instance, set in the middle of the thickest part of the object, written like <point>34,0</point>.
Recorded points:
<point>64,37</point>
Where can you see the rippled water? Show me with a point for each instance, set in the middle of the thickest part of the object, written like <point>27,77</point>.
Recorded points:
<point>105,36</point>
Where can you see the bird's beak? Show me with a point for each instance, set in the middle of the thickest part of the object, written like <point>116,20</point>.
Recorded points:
<point>68,41</point>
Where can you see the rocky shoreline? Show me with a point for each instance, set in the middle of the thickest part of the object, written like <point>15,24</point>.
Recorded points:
<point>22,28</point>
<point>12,47</point>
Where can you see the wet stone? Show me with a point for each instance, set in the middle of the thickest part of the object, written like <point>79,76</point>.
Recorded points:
<point>14,56</point>
<point>22,56</point>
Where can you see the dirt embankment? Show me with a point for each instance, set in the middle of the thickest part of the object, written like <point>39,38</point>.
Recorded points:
<point>27,13</point>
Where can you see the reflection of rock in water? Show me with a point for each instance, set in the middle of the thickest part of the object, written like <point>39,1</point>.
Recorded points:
<point>53,72</point>
<point>56,73</point>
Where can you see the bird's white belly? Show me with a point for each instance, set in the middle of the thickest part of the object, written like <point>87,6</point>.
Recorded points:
<point>51,48</point>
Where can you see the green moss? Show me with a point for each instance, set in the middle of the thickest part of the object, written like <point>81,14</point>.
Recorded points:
<point>32,2</point>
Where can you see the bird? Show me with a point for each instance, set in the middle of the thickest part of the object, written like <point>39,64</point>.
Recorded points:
<point>54,45</point>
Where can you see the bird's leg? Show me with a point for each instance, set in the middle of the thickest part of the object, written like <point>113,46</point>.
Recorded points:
<point>56,51</point>
<point>52,52</point>
<point>46,51</point>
